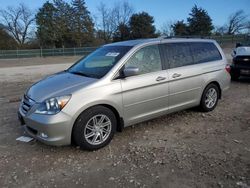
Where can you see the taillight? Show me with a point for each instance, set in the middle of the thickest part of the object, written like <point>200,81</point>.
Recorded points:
<point>228,68</point>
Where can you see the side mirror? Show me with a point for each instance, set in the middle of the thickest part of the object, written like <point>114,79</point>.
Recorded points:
<point>130,71</point>
<point>233,53</point>
<point>238,45</point>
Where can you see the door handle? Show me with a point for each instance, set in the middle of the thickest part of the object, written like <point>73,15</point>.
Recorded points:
<point>176,75</point>
<point>160,78</point>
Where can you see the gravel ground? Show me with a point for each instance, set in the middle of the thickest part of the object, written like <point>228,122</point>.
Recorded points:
<point>184,149</point>
<point>37,61</point>
<point>30,73</point>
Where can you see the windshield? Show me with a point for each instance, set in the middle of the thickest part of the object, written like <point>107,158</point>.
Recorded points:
<point>246,44</point>
<point>99,63</point>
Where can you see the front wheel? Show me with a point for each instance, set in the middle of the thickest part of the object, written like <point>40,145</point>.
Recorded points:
<point>94,128</point>
<point>209,98</point>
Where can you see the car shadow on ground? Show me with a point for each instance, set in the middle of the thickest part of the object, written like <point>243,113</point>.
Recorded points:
<point>243,79</point>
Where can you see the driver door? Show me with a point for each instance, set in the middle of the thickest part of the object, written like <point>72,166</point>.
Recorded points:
<point>145,95</point>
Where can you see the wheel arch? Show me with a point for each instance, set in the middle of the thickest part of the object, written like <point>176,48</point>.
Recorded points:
<point>217,84</point>
<point>120,121</point>
<point>211,82</point>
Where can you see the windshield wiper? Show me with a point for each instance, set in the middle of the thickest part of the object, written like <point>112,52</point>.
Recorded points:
<point>78,73</point>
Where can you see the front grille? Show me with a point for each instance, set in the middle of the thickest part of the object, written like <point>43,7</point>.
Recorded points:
<point>242,60</point>
<point>27,103</point>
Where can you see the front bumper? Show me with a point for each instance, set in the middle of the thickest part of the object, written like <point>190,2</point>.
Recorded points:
<point>49,129</point>
<point>241,65</point>
<point>240,69</point>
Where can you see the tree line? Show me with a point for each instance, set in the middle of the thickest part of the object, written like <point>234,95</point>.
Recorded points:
<point>59,24</point>
<point>199,23</point>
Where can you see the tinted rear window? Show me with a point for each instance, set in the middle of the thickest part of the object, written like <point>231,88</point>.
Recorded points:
<point>178,54</point>
<point>204,52</point>
<point>189,53</point>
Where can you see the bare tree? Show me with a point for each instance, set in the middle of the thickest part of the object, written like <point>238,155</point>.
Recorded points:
<point>122,13</point>
<point>237,22</point>
<point>106,22</point>
<point>167,28</point>
<point>248,27</point>
<point>18,22</point>
<point>220,30</point>
<point>111,18</point>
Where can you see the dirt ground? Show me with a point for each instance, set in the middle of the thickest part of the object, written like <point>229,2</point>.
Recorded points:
<point>37,61</point>
<point>186,149</point>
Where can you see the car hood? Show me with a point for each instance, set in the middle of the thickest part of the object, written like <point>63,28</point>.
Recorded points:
<point>59,84</point>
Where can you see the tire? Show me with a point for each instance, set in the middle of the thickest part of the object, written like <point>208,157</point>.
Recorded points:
<point>94,128</point>
<point>235,76</point>
<point>207,103</point>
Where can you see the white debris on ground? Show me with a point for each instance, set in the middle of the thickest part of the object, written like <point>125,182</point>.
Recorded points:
<point>24,139</point>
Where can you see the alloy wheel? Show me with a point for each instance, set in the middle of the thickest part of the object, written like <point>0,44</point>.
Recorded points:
<point>98,129</point>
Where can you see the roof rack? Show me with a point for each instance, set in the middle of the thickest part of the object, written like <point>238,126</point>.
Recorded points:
<point>187,37</point>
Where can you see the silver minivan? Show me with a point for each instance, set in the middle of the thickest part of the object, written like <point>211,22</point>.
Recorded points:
<point>121,84</point>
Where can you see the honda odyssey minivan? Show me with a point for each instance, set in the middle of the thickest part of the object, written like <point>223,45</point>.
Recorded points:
<point>121,84</point>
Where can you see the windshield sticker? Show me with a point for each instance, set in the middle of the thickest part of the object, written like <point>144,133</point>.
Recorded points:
<point>112,54</point>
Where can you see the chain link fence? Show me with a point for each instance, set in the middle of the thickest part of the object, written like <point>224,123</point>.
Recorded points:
<point>230,40</point>
<point>226,41</point>
<point>12,54</point>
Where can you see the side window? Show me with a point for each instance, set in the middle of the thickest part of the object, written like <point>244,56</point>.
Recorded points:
<point>147,59</point>
<point>205,52</point>
<point>178,54</point>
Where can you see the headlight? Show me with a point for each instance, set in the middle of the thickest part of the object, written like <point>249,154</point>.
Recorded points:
<point>53,105</point>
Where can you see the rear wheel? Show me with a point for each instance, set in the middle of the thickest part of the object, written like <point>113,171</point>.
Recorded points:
<point>209,98</point>
<point>94,128</point>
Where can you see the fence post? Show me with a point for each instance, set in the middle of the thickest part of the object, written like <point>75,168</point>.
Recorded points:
<point>17,53</point>
<point>41,52</point>
<point>74,51</point>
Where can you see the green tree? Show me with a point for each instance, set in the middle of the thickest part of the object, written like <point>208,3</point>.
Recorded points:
<point>180,28</point>
<point>7,42</point>
<point>122,33</point>
<point>45,21</point>
<point>63,23</point>
<point>83,26</point>
<point>199,22</point>
<point>141,26</point>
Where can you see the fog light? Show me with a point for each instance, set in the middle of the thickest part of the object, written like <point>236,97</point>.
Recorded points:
<point>44,135</point>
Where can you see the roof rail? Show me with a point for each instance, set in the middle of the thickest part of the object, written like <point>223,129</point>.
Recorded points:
<point>185,36</point>
<point>166,37</point>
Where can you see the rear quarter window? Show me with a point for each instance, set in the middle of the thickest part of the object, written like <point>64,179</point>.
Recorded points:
<point>204,52</point>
